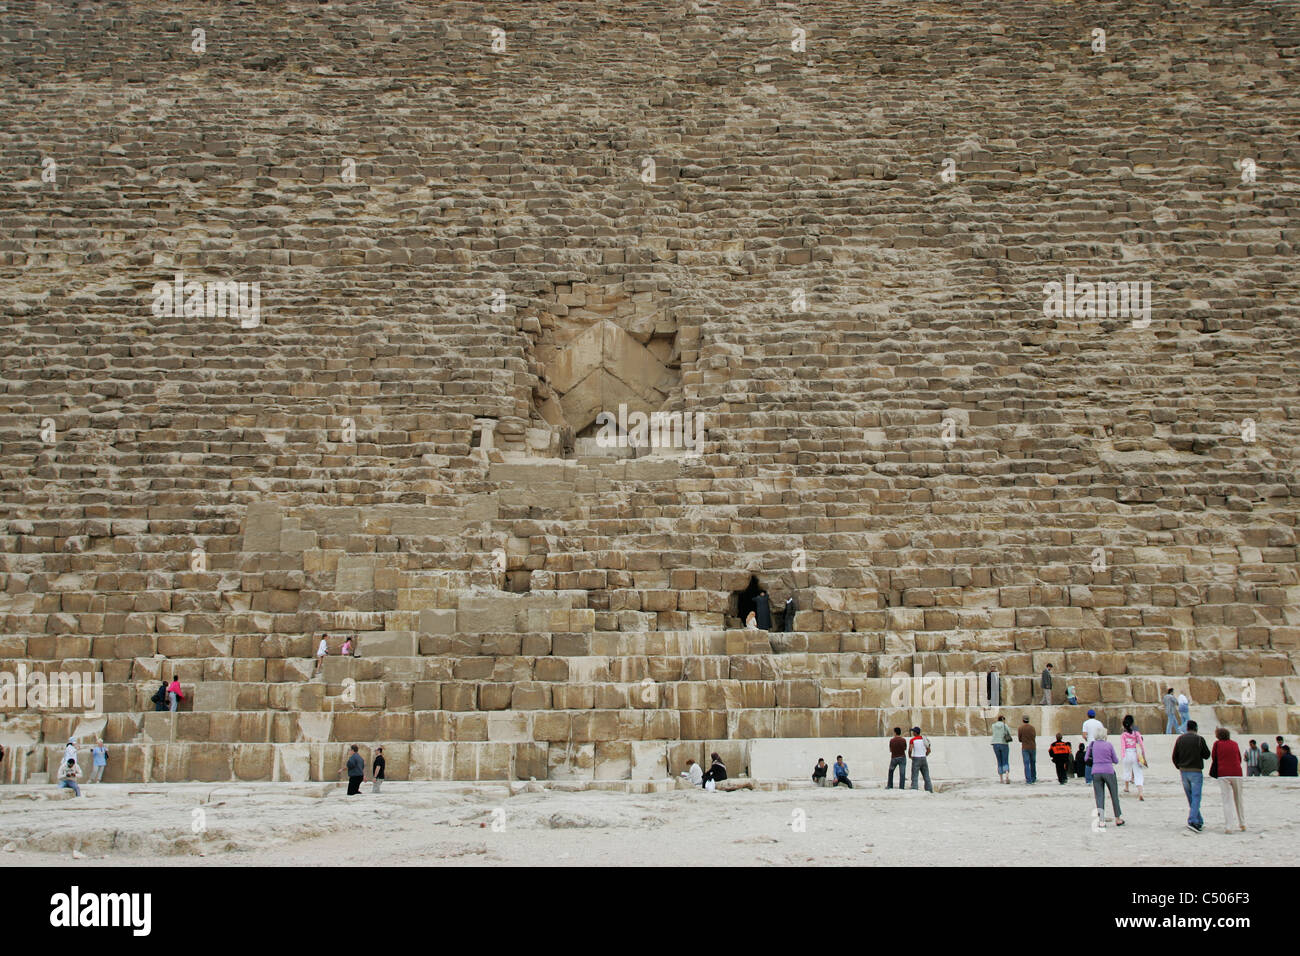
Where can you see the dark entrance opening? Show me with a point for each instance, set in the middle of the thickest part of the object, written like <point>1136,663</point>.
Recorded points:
<point>743,601</point>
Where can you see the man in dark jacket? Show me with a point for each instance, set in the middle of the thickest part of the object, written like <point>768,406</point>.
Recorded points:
<point>377,771</point>
<point>1190,754</point>
<point>763,611</point>
<point>1061,756</point>
<point>788,623</point>
<point>1286,764</point>
<point>159,697</point>
<point>356,768</point>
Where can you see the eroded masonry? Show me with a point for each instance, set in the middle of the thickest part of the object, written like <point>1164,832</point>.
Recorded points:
<point>471,230</point>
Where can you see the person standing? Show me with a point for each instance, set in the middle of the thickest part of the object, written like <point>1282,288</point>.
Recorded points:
<point>1267,761</point>
<point>1047,685</point>
<point>159,697</point>
<point>98,761</point>
<point>1133,755</point>
<point>174,693</point>
<point>1091,727</point>
<point>1280,744</point>
<point>1029,749</point>
<point>993,687</point>
<point>1225,765</point>
<point>787,620</point>
<point>321,650</point>
<point>1002,748</point>
<point>1184,708</point>
<point>377,770</point>
<point>1252,760</point>
<point>1171,710</point>
<point>68,777</point>
<point>1104,762</point>
<point>842,772</point>
<point>763,611</point>
<point>1061,756</point>
<point>1081,763</point>
<point>356,770</point>
<point>897,758</point>
<point>920,750</point>
<point>1190,753</point>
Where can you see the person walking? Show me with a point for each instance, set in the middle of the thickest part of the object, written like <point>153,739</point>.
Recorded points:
<point>1046,680</point>
<point>1133,755</point>
<point>356,770</point>
<point>1002,748</point>
<point>174,693</point>
<point>1104,762</point>
<point>377,770</point>
<point>1029,749</point>
<point>1080,763</point>
<point>1171,711</point>
<point>1190,753</point>
<point>763,611</point>
<point>920,750</point>
<point>1184,708</point>
<point>842,772</point>
<point>1091,727</point>
<point>1252,760</point>
<point>68,777</point>
<point>98,761</point>
<point>347,647</point>
<point>321,650</point>
<point>1061,755</point>
<point>897,758</point>
<point>1225,766</point>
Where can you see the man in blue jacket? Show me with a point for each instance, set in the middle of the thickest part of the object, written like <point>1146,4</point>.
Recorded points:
<point>842,772</point>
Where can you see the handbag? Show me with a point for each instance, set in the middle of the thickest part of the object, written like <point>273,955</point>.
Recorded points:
<point>1214,766</point>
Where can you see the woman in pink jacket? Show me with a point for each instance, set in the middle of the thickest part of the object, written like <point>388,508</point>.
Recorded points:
<point>1133,755</point>
<point>174,693</point>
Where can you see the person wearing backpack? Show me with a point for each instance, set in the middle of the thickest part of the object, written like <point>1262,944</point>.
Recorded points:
<point>159,697</point>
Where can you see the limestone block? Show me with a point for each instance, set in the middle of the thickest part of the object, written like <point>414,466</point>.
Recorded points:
<point>262,527</point>
<point>613,760</point>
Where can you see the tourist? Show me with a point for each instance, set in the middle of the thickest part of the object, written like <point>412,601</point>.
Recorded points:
<point>347,647</point>
<point>920,749</point>
<point>1171,710</point>
<point>1101,755</point>
<point>1002,748</point>
<point>1081,763</point>
<point>1070,697</point>
<point>321,650</point>
<point>1060,753</point>
<point>717,769</point>
<point>1047,685</point>
<point>68,777</point>
<point>1029,749</point>
<point>1133,755</point>
<point>787,621</point>
<point>159,697</point>
<point>842,772</point>
<point>751,622</point>
<point>1252,760</point>
<point>174,693</point>
<point>993,686</point>
<point>1184,708</point>
<point>1225,764</point>
<point>1268,762</point>
<point>70,750</point>
<point>1091,727</point>
<point>377,770</point>
<point>763,611</point>
<point>98,760</point>
<point>1280,744</point>
<point>695,775</point>
<point>1286,764</point>
<point>897,758</point>
<point>1190,752</point>
<point>819,772</point>
<point>356,770</point>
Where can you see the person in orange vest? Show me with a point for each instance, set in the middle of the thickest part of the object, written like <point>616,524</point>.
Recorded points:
<point>1061,756</point>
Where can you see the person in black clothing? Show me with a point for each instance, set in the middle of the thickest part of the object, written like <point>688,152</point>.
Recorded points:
<point>763,611</point>
<point>356,768</point>
<point>1080,762</point>
<point>819,772</point>
<point>716,772</point>
<point>377,771</point>
<point>159,697</point>
<point>787,624</point>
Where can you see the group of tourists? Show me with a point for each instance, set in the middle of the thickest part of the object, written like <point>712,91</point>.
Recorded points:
<point>900,748</point>
<point>760,619</point>
<point>355,768</point>
<point>70,769</point>
<point>322,650</point>
<point>168,696</point>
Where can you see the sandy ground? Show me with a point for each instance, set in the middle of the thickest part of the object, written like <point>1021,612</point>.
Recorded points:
<point>967,823</point>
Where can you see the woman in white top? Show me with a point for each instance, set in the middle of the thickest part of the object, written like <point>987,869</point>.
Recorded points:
<point>321,651</point>
<point>751,621</point>
<point>1133,755</point>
